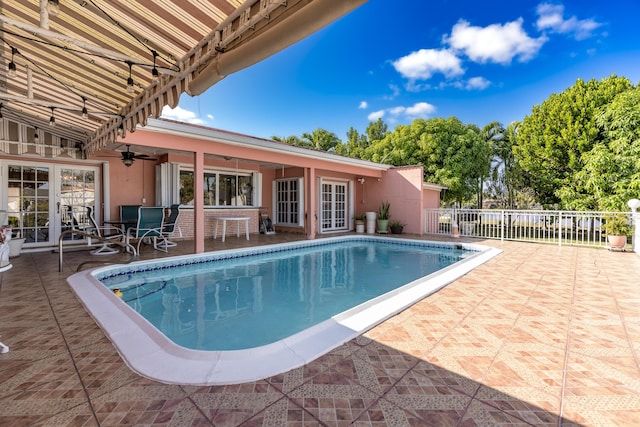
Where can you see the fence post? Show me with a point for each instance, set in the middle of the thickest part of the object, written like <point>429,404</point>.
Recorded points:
<point>502,225</point>
<point>559,228</point>
<point>634,204</point>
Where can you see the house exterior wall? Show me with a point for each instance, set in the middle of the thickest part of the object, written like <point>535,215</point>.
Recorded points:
<point>402,187</point>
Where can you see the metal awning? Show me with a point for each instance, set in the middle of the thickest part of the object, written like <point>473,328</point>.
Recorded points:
<point>90,64</point>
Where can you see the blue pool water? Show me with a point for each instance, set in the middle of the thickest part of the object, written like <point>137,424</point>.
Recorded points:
<point>245,301</point>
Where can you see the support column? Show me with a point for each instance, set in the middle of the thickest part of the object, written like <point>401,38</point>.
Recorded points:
<point>312,202</point>
<point>198,202</point>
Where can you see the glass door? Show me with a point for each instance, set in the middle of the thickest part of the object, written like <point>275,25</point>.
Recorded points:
<point>75,199</point>
<point>333,206</point>
<point>43,200</point>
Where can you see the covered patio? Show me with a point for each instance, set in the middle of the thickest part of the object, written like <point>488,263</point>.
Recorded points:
<point>540,335</point>
<point>82,77</point>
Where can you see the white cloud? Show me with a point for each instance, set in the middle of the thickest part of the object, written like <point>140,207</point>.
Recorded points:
<point>396,111</point>
<point>395,92</point>
<point>418,110</point>
<point>363,105</point>
<point>182,115</point>
<point>372,117</point>
<point>494,43</point>
<point>551,17</point>
<point>210,117</point>
<point>478,83</point>
<point>424,63</point>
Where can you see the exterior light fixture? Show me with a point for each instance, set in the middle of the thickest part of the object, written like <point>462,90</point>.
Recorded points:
<point>85,112</point>
<point>154,71</point>
<point>127,161</point>
<point>121,132</point>
<point>52,119</point>
<point>634,204</point>
<point>12,64</point>
<point>35,135</point>
<point>53,6</point>
<point>1,110</point>
<point>130,79</point>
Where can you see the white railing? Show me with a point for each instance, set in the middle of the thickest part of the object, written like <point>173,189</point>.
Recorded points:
<point>541,226</point>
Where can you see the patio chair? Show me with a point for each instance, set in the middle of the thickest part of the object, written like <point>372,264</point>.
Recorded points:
<point>149,226</point>
<point>111,233</point>
<point>128,215</point>
<point>170,225</point>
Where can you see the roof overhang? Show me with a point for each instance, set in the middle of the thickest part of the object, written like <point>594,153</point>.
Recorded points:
<point>170,127</point>
<point>84,56</point>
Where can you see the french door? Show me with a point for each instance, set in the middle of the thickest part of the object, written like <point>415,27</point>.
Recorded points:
<point>333,206</point>
<point>45,199</point>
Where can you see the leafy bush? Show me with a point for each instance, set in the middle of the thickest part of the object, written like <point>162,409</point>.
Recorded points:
<point>616,225</point>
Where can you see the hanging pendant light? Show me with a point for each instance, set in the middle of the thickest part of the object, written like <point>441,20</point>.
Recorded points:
<point>130,79</point>
<point>52,120</point>
<point>12,64</point>
<point>154,71</point>
<point>85,112</point>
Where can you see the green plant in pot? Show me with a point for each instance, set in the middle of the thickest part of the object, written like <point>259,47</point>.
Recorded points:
<point>396,227</point>
<point>383,217</point>
<point>617,228</point>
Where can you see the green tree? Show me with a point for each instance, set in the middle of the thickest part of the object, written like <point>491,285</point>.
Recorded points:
<point>505,177</point>
<point>321,139</point>
<point>291,140</point>
<point>377,131</point>
<point>355,145</point>
<point>553,138</point>
<point>452,154</point>
<point>611,173</point>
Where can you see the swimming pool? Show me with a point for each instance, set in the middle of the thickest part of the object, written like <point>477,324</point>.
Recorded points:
<point>187,302</point>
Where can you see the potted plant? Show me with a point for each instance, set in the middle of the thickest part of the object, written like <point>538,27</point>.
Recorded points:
<point>617,228</point>
<point>383,217</point>
<point>360,219</point>
<point>396,227</point>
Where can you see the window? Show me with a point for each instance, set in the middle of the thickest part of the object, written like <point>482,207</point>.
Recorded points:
<point>288,201</point>
<point>220,189</point>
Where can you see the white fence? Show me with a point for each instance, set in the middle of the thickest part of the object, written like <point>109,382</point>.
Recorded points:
<point>540,226</point>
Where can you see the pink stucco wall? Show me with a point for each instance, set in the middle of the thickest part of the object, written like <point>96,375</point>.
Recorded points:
<point>402,186</point>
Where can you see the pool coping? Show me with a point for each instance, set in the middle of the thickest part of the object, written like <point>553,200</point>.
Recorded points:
<point>151,354</point>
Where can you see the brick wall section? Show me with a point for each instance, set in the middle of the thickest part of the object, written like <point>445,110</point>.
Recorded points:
<point>185,221</point>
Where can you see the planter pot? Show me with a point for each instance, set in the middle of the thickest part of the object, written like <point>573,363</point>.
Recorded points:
<point>15,247</point>
<point>359,226</point>
<point>383,226</point>
<point>371,222</point>
<point>617,242</point>
<point>396,229</point>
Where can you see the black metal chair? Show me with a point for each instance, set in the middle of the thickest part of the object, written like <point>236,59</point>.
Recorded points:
<point>111,233</point>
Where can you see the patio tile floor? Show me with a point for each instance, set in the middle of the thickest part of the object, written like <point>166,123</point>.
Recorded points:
<point>540,335</point>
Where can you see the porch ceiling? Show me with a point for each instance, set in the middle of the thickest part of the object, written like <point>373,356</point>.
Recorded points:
<point>85,54</point>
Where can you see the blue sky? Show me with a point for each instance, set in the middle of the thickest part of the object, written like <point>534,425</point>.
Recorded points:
<point>401,60</point>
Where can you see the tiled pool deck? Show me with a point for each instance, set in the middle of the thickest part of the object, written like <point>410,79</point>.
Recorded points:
<point>540,335</point>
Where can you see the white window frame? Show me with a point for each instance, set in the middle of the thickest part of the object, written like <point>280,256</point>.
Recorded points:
<point>299,197</point>
<point>168,184</point>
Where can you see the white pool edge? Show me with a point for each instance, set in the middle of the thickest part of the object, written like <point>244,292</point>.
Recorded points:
<point>151,354</point>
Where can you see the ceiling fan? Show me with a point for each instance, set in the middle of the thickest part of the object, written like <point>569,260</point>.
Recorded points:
<point>128,157</point>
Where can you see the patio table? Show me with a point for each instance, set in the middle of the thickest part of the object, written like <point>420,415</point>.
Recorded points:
<point>224,220</point>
